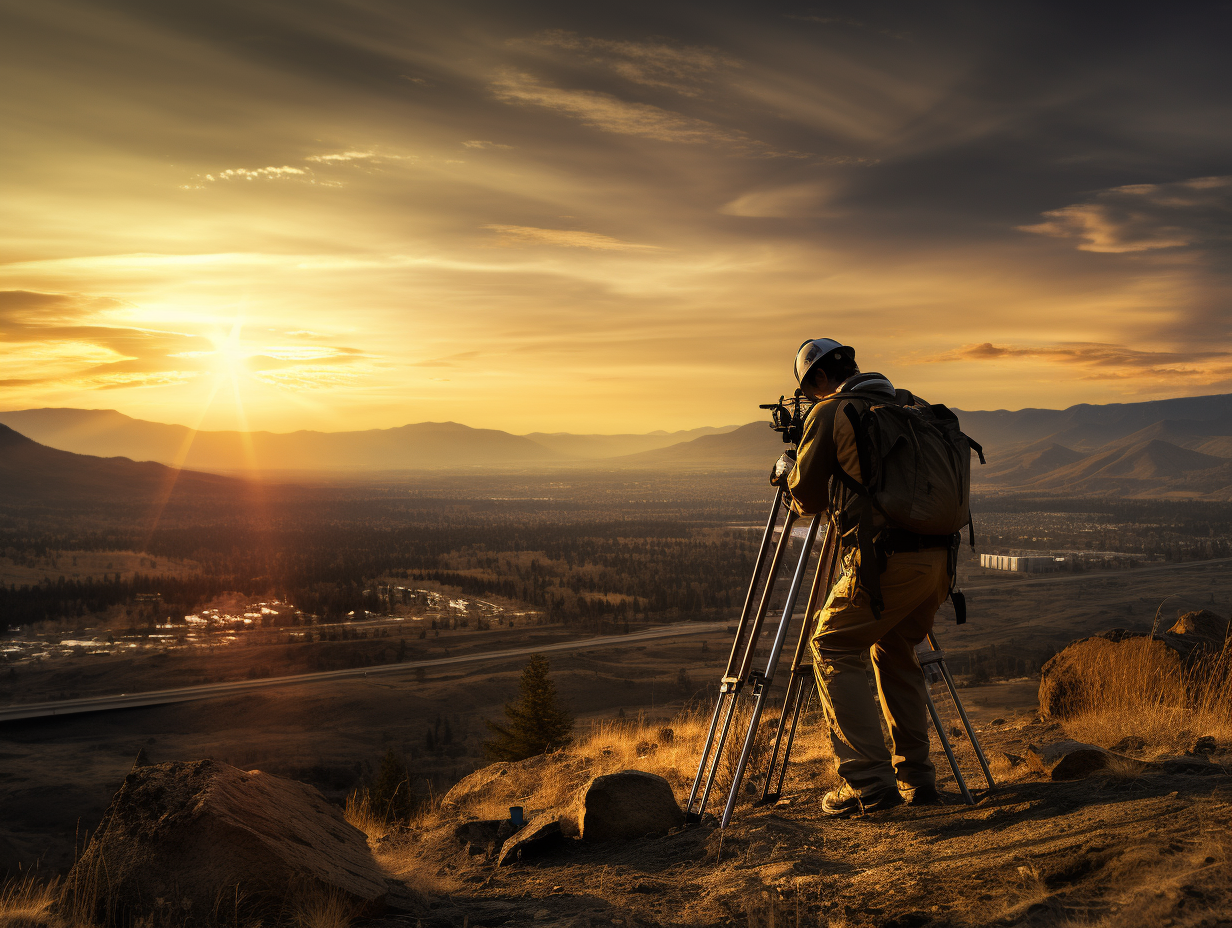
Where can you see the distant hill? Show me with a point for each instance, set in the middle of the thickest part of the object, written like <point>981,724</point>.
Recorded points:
<point>1030,464</point>
<point>568,445</point>
<point>752,445</point>
<point>33,475</point>
<point>425,444</point>
<point>1088,427</point>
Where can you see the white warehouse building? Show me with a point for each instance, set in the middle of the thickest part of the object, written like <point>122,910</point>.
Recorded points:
<point>1023,565</point>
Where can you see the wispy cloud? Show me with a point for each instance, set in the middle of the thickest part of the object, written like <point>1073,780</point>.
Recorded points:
<point>270,173</point>
<point>1094,353</point>
<point>479,143</point>
<point>794,201</point>
<point>1108,361</point>
<point>569,238</point>
<point>1146,217</point>
<point>343,156</point>
<point>609,113</point>
<point>686,69</point>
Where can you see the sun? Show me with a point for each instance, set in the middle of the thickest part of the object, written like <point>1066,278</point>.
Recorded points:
<point>229,355</point>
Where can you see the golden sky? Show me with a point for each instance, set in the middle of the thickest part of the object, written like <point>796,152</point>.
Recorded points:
<point>542,216</point>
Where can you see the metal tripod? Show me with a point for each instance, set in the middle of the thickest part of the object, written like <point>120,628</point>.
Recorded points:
<point>739,672</point>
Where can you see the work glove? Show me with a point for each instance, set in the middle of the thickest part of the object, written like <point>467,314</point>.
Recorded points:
<point>782,467</point>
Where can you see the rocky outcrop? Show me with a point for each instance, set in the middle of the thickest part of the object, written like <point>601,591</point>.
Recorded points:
<point>628,804</point>
<point>1072,680</point>
<point>205,843</point>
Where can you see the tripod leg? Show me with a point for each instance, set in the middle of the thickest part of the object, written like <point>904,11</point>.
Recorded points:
<point>759,617</point>
<point>823,579</point>
<point>949,751</point>
<point>750,597</point>
<point>962,714</point>
<point>701,764</point>
<point>797,695</point>
<point>788,702</point>
<point>718,752</point>
<point>731,683</point>
<point>807,689</point>
<point>762,685</point>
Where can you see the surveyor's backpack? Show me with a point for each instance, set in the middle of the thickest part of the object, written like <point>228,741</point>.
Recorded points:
<point>916,467</point>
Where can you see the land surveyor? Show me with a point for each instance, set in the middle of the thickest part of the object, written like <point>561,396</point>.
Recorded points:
<point>915,574</point>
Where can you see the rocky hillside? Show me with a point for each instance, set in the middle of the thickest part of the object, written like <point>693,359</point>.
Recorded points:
<point>1132,843</point>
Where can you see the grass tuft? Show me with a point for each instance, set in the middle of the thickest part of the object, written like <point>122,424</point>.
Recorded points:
<point>1142,689</point>
<point>25,902</point>
<point>362,814</point>
<point>324,909</point>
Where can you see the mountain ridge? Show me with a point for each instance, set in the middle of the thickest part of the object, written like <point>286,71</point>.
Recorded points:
<point>1176,445</point>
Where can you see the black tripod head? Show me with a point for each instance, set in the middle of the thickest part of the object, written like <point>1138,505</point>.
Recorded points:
<point>787,416</point>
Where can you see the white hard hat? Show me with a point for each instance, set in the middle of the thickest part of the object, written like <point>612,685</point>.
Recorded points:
<point>815,350</point>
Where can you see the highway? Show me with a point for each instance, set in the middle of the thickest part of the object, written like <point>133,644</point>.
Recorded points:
<point>36,710</point>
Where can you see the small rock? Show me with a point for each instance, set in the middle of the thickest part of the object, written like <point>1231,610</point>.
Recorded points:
<point>1205,746</point>
<point>1010,760</point>
<point>1078,765</point>
<point>997,722</point>
<point>1067,760</point>
<point>1130,743</point>
<point>1199,766</point>
<point>507,830</point>
<point>539,835</point>
<point>478,832</point>
<point>626,805</point>
<point>666,736</point>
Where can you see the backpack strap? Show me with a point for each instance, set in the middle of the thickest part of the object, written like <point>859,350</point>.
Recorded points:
<point>872,556</point>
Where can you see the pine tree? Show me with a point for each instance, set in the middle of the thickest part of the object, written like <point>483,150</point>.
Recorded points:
<point>537,722</point>
<point>391,793</point>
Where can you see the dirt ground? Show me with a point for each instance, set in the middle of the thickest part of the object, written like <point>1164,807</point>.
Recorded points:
<point>1110,850</point>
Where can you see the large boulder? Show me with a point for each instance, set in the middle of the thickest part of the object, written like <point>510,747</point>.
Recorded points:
<point>205,843</point>
<point>625,805</point>
<point>1075,679</point>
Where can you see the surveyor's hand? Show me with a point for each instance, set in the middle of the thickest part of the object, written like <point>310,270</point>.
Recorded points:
<point>782,467</point>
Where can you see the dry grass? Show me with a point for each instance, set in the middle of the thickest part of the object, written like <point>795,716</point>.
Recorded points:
<point>361,813</point>
<point>26,902</point>
<point>670,749</point>
<point>323,909</point>
<point>1145,690</point>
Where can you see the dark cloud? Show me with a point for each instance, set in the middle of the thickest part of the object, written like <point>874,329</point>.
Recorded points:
<point>1146,217</point>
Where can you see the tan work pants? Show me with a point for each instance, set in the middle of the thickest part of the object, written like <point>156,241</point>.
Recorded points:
<point>913,587</point>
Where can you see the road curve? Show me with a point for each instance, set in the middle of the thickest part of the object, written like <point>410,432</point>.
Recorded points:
<point>37,710</point>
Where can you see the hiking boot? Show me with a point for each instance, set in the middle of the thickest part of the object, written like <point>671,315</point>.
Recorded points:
<point>846,801</point>
<point>925,795</point>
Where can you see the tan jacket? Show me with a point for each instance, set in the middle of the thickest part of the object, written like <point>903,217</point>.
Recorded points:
<point>829,442</point>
